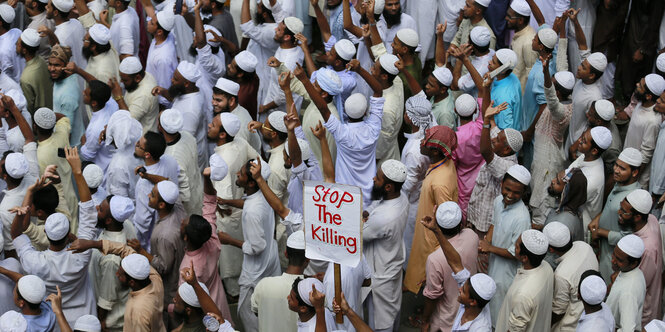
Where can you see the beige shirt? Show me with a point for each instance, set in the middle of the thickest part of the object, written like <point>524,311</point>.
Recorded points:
<point>270,304</point>
<point>143,106</point>
<point>462,35</point>
<point>526,56</point>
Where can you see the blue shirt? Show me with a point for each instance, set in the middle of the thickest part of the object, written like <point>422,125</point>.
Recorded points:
<point>508,90</point>
<point>534,92</point>
<point>45,321</point>
<point>66,100</point>
<point>657,181</point>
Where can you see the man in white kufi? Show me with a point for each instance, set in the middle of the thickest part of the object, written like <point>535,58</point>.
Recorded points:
<point>122,132</point>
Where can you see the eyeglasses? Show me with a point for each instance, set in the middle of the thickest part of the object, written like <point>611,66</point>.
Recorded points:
<point>266,128</point>
<point>625,214</point>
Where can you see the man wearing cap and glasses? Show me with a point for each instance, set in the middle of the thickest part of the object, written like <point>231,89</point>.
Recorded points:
<point>628,290</point>
<point>35,80</point>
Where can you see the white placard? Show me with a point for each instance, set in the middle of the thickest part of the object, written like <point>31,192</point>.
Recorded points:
<point>332,216</point>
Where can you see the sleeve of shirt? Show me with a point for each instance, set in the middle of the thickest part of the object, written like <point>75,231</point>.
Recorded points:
<point>37,235</point>
<point>254,300</point>
<point>89,150</point>
<point>210,62</point>
<point>209,208</point>
<point>255,242</point>
<point>108,285</point>
<point>117,182</point>
<point>465,83</point>
<point>375,114</point>
<point>126,45</point>
<point>116,248</point>
<point>373,231</point>
<point>227,327</point>
<point>561,298</point>
<point>143,215</point>
<point>520,314</point>
<point>390,125</point>
<point>649,142</point>
<point>163,259</point>
<point>87,20</point>
<point>562,54</point>
<point>87,220</point>
<point>613,237</point>
<point>499,166</point>
<point>434,288</point>
<point>30,95</point>
<point>33,261</point>
<point>278,13</point>
<point>7,220</point>
<point>556,108</point>
<point>140,106</point>
<point>413,170</point>
<point>63,127</point>
<point>30,153</point>
<point>335,128</point>
<point>584,54</point>
<point>458,35</point>
<point>461,277</point>
<point>183,184</point>
<point>539,90</point>
<point>262,36</point>
<point>330,43</point>
<point>378,50</point>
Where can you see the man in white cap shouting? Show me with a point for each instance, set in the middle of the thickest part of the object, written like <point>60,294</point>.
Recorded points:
<point>269,300</point>
<point>35,79</point>
<point>626,297</point>
<point>510,219</point>
<point>573,258</point>
<point>98,96</point>
<point>123,132</point>
<point>441,286</point>
<point>479,55</point>
<point>68,32</point>
<point>113,218</point>
<point>138,98</point>
<point>124,29</point>
<point>29,298</point>
<point>383,243</point>
<point>102,58</point>
<point>12,63</point>
<point>528,302</point>
<point>596,316</point>
<point>644,123</point>
<point>605,226</point>
<point>57,266</point>
<point>181,145</point>
<point>162,60</point>
<point>472,14</point>
<point>506,88</point>
<point>226,98</point>
<point>634,216</point>
<point>193,303</point>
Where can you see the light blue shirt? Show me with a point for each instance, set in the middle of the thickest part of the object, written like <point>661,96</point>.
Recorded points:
<point>92,150</point>
<point>534,92</point>
<point>508,90</point>
<point>657,180</point>
<point>67,100</point>
<point>45,321</point>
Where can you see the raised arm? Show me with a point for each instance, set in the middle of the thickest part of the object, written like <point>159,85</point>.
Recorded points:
<point>452,256</point>
<point>309,62</point>
<point>207,304</point>
<point>273,200</point>
<point>373,30</point>
<point>149,9</point>
<point>346,310</point>
<point>537,14</point>
<point>440,55</point>
<point>81,7</point>
<point>74,161</point>
<point>20,120</point>
<point>485,141</point>
<point>14,276</point>
<point>373,83</point>
<point>318,101</point>
<point>199,34</point>
<point>72,68</point>
<point>579,33</point>
<point>245,16</point>
<point>475,76</point>
<point>326,158</point>
<point>292,122</point>
<point>348,20</point>
<point>321,20</point>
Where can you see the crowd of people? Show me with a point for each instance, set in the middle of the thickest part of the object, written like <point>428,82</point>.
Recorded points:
<point>154,155</point>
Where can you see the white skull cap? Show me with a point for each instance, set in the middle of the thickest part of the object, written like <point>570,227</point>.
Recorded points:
<point>305,287</point>
<point>602,137</point>
<point>465,105</point>
<point>408,36</point>
<point>100,34</point>
<point>276,120</point>
<point>16,165</point>
<point>520,173</point>
<point>56,226</point>
<point>521,7</point>
<point>189,71</point>
<point>355,106</point>
<point>604,109</point>
<point>598,61</point>
<point>7,13</point>
<point>507,57</point>
<point>30,37</point>
<point>632,157</point>
<point>218,167</point>
<point>230,123</point>
<point>88,323</point>
<point>294,24</point>
<point>166,19</point>
<point>443,75</point>
<point>548,37</point>
<point>640,200</point>
<point>171,121</point>
<point>484,3</point>
<point>660,62</point>
<point>655,83</point>
<point>480,36</point>
<point>593,289</point>
<point>168,191</point>
<point>388,63</point>
<point>535,241</point>
<point>44,118</point>
<point>345,49</point>
<point>655,326</point>
<point>514,139</point>
<point>566,79</point>
<point>121,207</point>
<point>246,61</point>
<point>558,234</point>
<point>296,240</point>
<point>32,288</point>
<point>379,5</point>
<point>305,150</point>
<point>483,285</point>
<point>12,321</point>
<point>394,170</point>
<point>130,65</point>
<point>63,5</point>
<point>632,245</point>
<point>228,86</point>
<point>136,266</point>
<point>448,215</point>
<point>188,295</point>
<point>93,175</point>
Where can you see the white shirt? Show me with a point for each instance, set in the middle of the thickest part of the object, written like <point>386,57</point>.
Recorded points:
<point>356,145</point>
<point>583,95</point>
<point>7,285</point>
<point>125,32</point>
<point>191,107</point>
<point>263,45</point>
<point>352,280</point>
<point>143,106</point>
<point>270,304</point>
<point>189,177</point>
<point>626,299</point>
<point>482,322</point>
<point>120,176</point>
<point>71,34</point>
<point>465,83</point>
<point>599,321</point>
<point>162,63</point>
<point>642,132</point>
<point>406,22</point>
<point>92,150</point>
<point>310,325</point>
<point>260,248</point>
<point>252,138</point>
<point>288,56</point>
<point>279,175</point>
<point>416,166</point>
<point>299,174</point>
<point>10,62</point>
<point>594,171</point>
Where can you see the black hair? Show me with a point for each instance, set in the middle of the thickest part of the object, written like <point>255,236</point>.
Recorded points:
<point>595,146</point>
<point>198,231</point>
<point>474,295</point>
<point>154,144</point>
<point>5,25</point>
<point>565,247</point>
<point>46,199</point>
<point>397,185</point>
<point>595,71</point>
<point>510,177</point>
<point>564,92</point>
<point>99,92</point>
<point>32,50</point>
<point>166,32</point>
<point>32,306</point>
<point>481,49</point>
<point>218,91</point>
<point>294,288</point>
<point>99,47</point>
<point>290,33</point>
<point>41,7</point>
<point>282,136</point>
<point>296,256</point>
<point>451,231</point>
<point>247,167</point>
<point>534,259</point>
<point>391,77</point>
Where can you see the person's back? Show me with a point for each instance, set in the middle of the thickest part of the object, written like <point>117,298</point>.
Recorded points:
<point>269,299</point>
<point>184,152</point>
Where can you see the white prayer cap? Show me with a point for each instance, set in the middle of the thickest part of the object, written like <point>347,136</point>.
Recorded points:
<point>660,62</point>
<point>514,139</point>
<point>507,57</point>
<point>63,5</point>
<point>355,106</point>
<point>7,13</point>
<point>171,120</point>
<point>228,86</point>
<point>655,83</point>
<point>123,130</point>
<point>88,323</point>
<point>12,321</point>
<point>566,79</point>
<point>130,65</point>
<point>93,175</point>
<point>558,234</point>
<point>520,173</point>
<point>598,61</point>
<point>294,24</point>
<point>187,294</point>
<point>593,289</point>
<point>121,207</point>
<point>448,215</point>
<point>265,169</point>
<point>521,7</point>
<point>296,240</point>
<point>166,19</point>
<point>632,245</point>
<point>305,287</point>
<point>483,285</point>
<point>136,266</point>
<point>209,35</point>
<point>189,71</point>
<point>443,75</point>
<point>388,63</point>
<point>16,165</point>
<point>640,200</point>
<point>379,5</point>
<point>56,226</point>
<point>632,157</point>
<point>276,120</point>
<point>604,109</point>
<point>345,49</point>
<point>30,37</point>
<point>465,105</point>
<point>218,167</point>
<point>246,61</point>
<point>408,37</point>
<point>44,118</point>
<point>15,139</point>
<point>100,34</point>
<point>394,170</point>
<point>168,191</point>
<point>655,326</point>
<point>484,3</point>
<point>601,136</point>
<point>32,288</point>
<point>305,150</point>
<point>230,123</point>
<point>548,37</point>
<point>480,36</point>
<point>535,241</point>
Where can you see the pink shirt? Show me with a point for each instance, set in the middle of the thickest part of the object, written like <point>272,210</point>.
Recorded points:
<point>440,284</point>
<point>468,160</point>
<point>651,266</point>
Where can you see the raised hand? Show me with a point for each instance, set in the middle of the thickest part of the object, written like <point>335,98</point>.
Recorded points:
<point>215,37</point>
<point>319,131</point>
<point>56,300</point>
<point>104,15</point>
<point>441,28</point>
<point>284,80</point>
<point>70,68</point>
<point>430,223</point>
<point>298,72</point>
<point>273,62</point>
<point>134,244</point>
<point>292,122</point>
<point>494,110</point>
<point>158,91</point>
<point>72,156</point>
<point>51,173</point>
<point>572,14</point>
<point>81,245</point>
<point>353,65</point>
<point>189,275</point>
<point>44,31</point>
<point>342,307</point>
<point>255,169</point>
<point>399,64</point>
<point>252,126</point>
<point>116,89</point>
<point>303,40</point>
<point>317,298</point>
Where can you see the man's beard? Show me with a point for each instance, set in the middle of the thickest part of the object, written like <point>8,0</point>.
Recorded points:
<point>60,77</point>
<point>641,97</point>
<point>553,193</point>
<point>87,53</point>
<point>393,20</point>
<point>333,7</point>
<point>378,193</point>
<point>132,87</point>
<point>258,19</point>
<point>626,225</point>
<point>287,166</point>
<point>192,51</point>
<point>176,90</point>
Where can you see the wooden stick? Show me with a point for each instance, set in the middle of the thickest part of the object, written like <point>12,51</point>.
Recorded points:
<point>339,318</point>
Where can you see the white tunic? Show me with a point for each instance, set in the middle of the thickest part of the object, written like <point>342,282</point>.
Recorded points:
<point>288,56</point>
<point>482,322</point>
<point>406,22</point>
<point>626,299</point>
<point>594,171</point>
<point>583,95</point>
<point>194,120</point>
<point>7,285</point>
<point>184,152</point>
<point>299,174</point>
<point>120,176</point>
<point>252,138</point>
<point>71,34</point>
<point>352,280</point>
<point>599,321</point>
<point>10,62</point>
<point>161,63</point>
<point>416,167</point>
<point>125,32</point>
<point>92,150</point>
<point>262,44</point>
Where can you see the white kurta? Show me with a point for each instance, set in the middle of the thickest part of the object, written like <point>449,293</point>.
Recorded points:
<point>416,167</point>
<point>594,171</point>
<point>10,62</point>
<point>194,119</point>
<point>270,304</point>
<point>583,95</point>
<point>125,32</point>
<point>7,285</point>
<point>599,321</point>
<point>289,57</point>
<point>406,22</point>
<point>262,44</point>
<point>104,66</point>
<point>352,280</point>
<point>626,299</point>
<point>587,19</point>
<point>642,135</point>
<point>528,303</point>
<point>383,247</point>
<point>143,106</point>
<point>71,34</point>
<point>299,174</point>
<point>252,138</point>
<point>162,63</point>
<point>120,176</point>
<point>92,150</point>
<point>189,177</point>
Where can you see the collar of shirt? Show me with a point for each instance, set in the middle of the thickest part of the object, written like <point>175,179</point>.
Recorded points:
<point>253,196</point>
<point>415,136</point>
<point>522,32</point>
<point>525,273</point>
<point>619,189</point>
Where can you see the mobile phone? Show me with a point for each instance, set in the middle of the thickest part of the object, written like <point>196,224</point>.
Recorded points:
<point>61,152</point>
<point>142,170</point>
<point>178,7</point>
